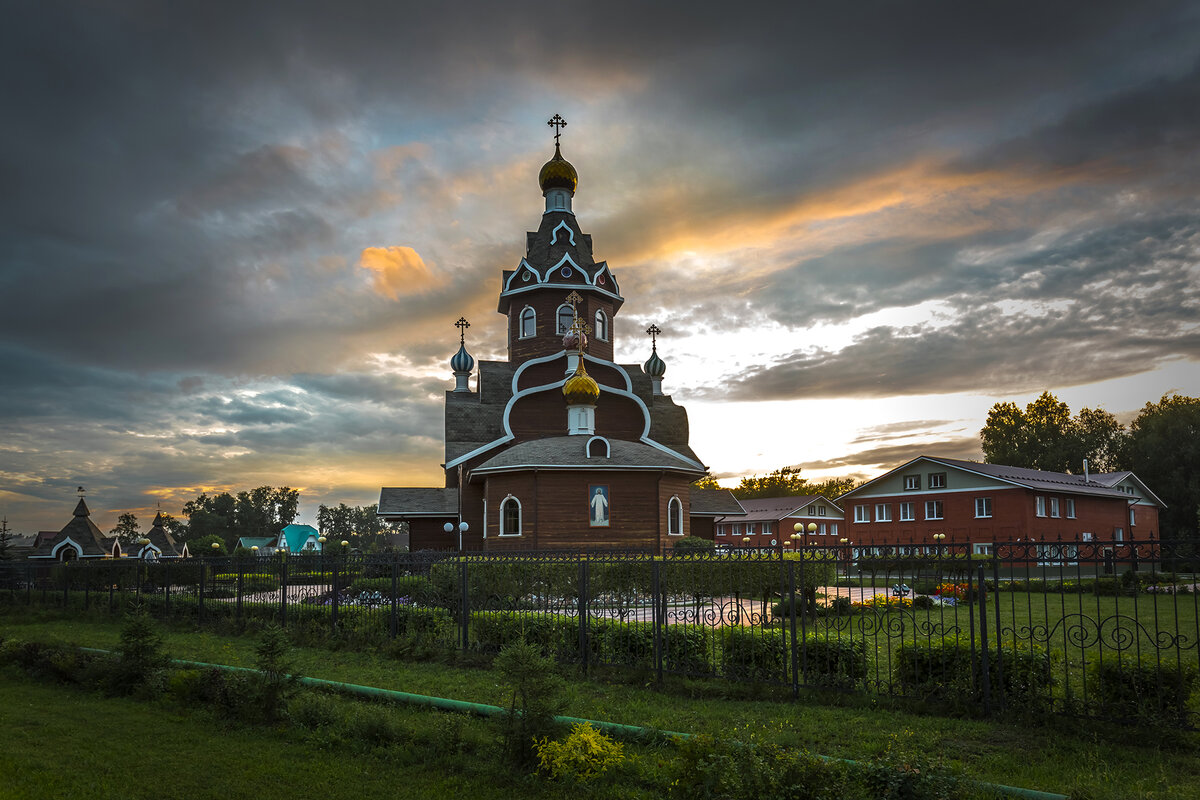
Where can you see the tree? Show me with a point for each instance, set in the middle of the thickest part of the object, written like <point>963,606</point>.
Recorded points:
<point>203,546</point>
<point>6,537</point>
<point>707,482</point>
<point>359,525</point>
<point>783,482</point>
<point>1163,449</point>
<point>127,531</point>
<point>1045,436</point>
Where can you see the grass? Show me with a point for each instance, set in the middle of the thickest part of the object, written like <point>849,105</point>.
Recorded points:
<point>1092,760</point>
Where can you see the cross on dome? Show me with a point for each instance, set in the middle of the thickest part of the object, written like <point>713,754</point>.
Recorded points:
<point>462,326</point>
<point>558,123</point>
<point>653,332</point>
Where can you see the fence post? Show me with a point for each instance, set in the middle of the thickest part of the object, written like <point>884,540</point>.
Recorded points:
<point>166,588</point>
<point>66,581</point>
<point>283,590</point>
<point>985,677</point>
<point>200,591</point>
<point>1003,699</point>
<point>465,600</point>
<point>336,594</point>
<point>583,615</point>
<point>655,589</point>
<point>240,584</point>
<point>799,660</point>
<point>393,626</point>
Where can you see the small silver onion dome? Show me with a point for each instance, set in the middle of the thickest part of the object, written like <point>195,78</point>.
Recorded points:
<point>655,367</point>
<point>462,361</point>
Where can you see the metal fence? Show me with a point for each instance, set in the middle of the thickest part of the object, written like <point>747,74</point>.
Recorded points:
<point>1085,628</point>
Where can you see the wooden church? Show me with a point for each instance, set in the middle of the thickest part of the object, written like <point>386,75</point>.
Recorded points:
<point>559,447</point>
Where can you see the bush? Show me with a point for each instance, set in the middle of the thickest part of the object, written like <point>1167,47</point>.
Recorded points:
<point>140,655</point>
<point>535,697</point>
<point>410,586</point>
<point>833,662</point>
<point>553,636</point>
<point>1142,690</point>
<point>943,670</point>
<point>753,654</point>
<point>277,680</point>
<point>902,775</point>
<point>684,648</point>
<point>689,543</point>
<point>713,769</point>
<point>581,756</point>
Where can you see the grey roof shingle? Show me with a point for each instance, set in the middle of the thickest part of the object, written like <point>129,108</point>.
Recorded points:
<point>775,508</point>
<point>567,452</point>
<point>83,532</point>
<point>714,503</point>
<point>1037,479</point>
<point>417,501</point>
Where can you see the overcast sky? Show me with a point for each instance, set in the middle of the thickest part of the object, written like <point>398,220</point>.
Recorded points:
<point>234,237</point>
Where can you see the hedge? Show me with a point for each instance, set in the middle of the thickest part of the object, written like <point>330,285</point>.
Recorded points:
<point>943,670</point>
<point>1142,690</point>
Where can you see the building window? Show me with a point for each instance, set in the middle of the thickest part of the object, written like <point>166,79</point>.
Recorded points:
<point>766,528</point>
<point>812,510</point>
<point>1040,503</point>
<point>883,512</point>
<point>820,511</point>
<point>821,529</point>
<point>933,509</point>
<point>833,529</point>
<point>1086,536</point>
<point>566,318</point>
<point>861,514</point>
<point>937,480</point>
<point>1118,534</point>
<point>1132,519</point>
<point>598,447</point>
<point>737,530</point>
<point>912,483</point>
<point>1054,507</point>
<point>907,512</point>
<point>981,549</point>
<point>528,323</point>
<point>601,326</point>
<point>983,507</point>
<point>510,517</point>
<point>1070,508</point>
<point>749,528</point>
<point>675,517</point>
<point>721,530</point>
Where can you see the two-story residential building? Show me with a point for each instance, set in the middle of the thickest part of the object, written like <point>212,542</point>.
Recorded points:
<point>771,521</point>
<point>987,503</point>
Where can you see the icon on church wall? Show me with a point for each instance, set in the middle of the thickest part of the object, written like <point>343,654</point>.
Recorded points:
<point>598,504</point>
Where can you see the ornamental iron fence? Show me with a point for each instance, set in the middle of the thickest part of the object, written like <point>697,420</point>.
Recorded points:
<point>1093,628</point>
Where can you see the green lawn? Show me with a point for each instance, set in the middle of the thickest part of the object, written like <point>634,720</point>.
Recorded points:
<point>1096,761</point>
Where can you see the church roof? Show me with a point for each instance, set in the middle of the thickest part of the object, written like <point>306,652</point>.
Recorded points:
<point>714,503</point>
<point>90,540</point>
<point>569,452</point>
<point>417,501</point>
<point>161,538</point>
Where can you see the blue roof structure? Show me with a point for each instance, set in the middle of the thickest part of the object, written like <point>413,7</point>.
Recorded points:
<point>296,536</point>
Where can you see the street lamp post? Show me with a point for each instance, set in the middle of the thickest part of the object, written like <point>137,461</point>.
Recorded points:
<point>462,528</point>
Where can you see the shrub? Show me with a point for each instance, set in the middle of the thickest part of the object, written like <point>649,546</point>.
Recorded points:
<point>898,774</point>
<point>141,657</point>
<point>1142,690</point>
<point>753,654</point>
<point>714,769</point>
<point>535,697</point>
<point>553,636</point>
<point>684,648</point>
<point>944,669</point>
<point>923,601</point>
<point>410,586</point>
<point>277,679</point>
<point>833,662</point>
<point>581,756</point>
<point>689,543</point>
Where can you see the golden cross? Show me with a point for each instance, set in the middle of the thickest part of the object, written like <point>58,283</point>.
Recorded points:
<point>558,123</point>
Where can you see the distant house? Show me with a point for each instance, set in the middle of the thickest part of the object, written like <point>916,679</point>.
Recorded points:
<point>771,521</point>
<point>709,505</point>
<point>79,538</point>
<point>159,544</point>
<point>265,544</point>
<point>298,538</point>
<point>986,503</point>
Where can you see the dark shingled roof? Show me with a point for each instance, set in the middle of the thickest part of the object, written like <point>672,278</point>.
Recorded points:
<point>83,532</point>
<point>1040,479</point>
<point>715,503</point>
<point>162,539</point>
<point>417,501</point>
<point>774,508</point>
<point>567,452</point>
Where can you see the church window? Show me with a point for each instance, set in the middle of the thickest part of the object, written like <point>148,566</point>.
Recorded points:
<point>601,326</point>
<point>510,517</point>
<point>598,447</point>
<point>566,316</point>
<point>528,322</point>
<point>675,517</point>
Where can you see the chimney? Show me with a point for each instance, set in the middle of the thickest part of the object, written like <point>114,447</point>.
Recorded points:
<point>1085,471</point>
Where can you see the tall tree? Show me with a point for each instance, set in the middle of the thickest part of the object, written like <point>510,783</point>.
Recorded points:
<point>1045,436</point>
<point>6,537</point>
<point>127,530</point>
<point>263,511</point>
<point>1163,449</point>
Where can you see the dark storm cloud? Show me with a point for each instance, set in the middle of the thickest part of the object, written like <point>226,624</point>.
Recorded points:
<point>189,186</point>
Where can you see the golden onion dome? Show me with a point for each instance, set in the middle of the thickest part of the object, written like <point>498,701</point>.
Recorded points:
<point>580,389</point>
<point>557,173</point>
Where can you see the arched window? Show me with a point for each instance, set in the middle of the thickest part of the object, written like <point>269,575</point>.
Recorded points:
<point>510,517</point>
<point>566,316</point>
<point>528,322</point>
<point>598,447</point>
<point>675,517</point>
<point>601,327</point>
